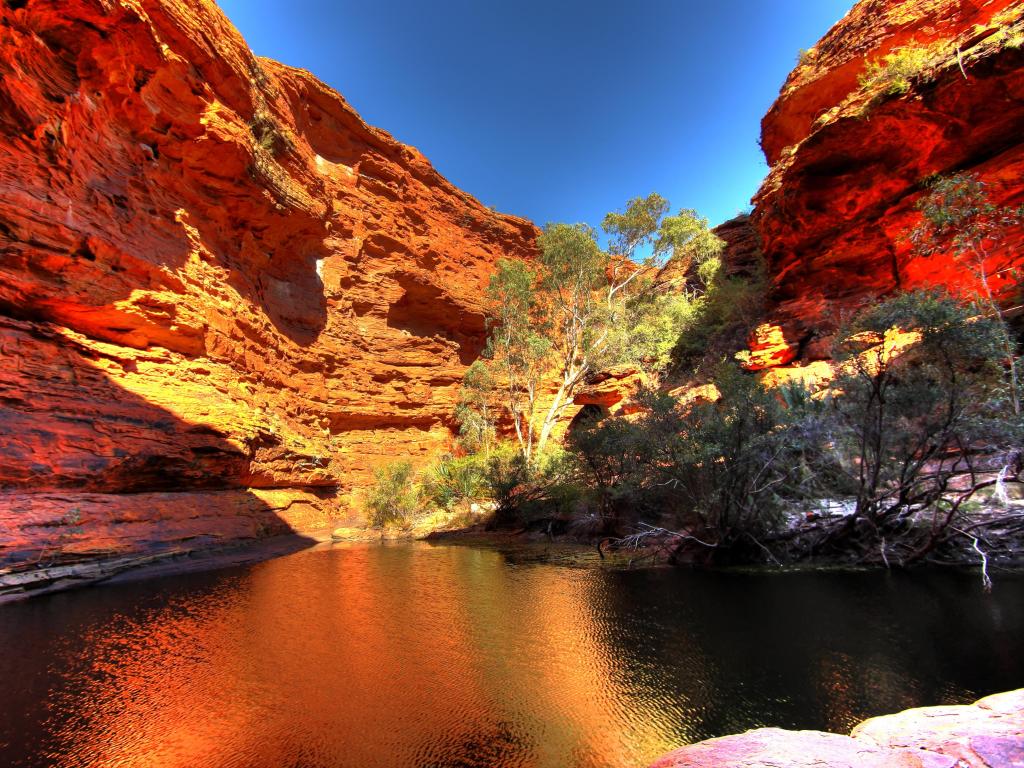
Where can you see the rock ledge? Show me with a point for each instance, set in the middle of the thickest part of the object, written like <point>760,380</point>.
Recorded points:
<point>986,734</point>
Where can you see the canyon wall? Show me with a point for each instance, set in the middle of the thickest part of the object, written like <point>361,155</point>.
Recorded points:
<point>224,299</point>
<point>849,163</point>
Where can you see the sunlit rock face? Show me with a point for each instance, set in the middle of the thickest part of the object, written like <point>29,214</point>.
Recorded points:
<point>213,276</point>
<point>848,164</point>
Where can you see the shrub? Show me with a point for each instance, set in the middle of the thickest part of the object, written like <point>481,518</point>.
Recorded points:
<point>394,498</point>
<point>957,215</point>
<point>475,410</point>
<point>455,480</point>
<point>896,71</point>
<point>704,322</point>
<point>729,309</point>
<point>526,492</point>
<point>651,329</point>
<point>906,419</point>
<point>907,429</point>
<point>717,469</point>
<point>268,135</point>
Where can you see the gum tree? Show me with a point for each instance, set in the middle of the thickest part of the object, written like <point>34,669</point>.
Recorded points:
<point>590,290</point>
<point>518,347</point>
<point>566,320</point>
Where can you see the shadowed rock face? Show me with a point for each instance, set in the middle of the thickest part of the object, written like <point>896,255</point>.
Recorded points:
<point>213,276</point>
<point>848,164</point>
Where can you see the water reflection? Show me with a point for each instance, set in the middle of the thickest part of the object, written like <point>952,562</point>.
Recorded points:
<point>414,655</point>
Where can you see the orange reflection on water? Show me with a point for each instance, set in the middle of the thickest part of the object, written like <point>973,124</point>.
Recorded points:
<point>416,655</point>
<point>366,657</point>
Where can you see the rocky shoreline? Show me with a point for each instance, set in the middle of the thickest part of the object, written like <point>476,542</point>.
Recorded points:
<point>26,583</point>
<point>520,546</point>
<point>986,734</point>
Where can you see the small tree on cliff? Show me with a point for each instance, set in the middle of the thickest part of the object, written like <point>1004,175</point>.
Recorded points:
<point>959,218</point>
<point>565,321</point>
<point>475,410</point>
<point>517,347</point>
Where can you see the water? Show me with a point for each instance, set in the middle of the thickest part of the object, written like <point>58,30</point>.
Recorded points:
<point>430,656</point>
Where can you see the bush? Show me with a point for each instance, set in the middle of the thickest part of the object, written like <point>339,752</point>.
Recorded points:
<point>267,133</point>
<point>651,329</point>
<point>702,320</point>
<point>394,498</point>
<point>728,311</point>
<point>716,469</point>
<point>896,71</point>
<point>475,411</point>
<point>526,493</point>
<point>908,420</point>
<point>456,480</point>
<point>907,429</point>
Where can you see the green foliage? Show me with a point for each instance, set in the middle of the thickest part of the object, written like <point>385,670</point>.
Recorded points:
<point>267,133</point>
<point>474,411</point>
<point>526,492</point>
<point>905,418</point>
<point>455,480</point>
<point>581,309</point>
<point>696,327</point>
<point>723,314</point>
<point>517,346</point>
<point>899,425</point>
<point>645,223</point>
<point>573,262</point>
<point>957,216</point>
<point>511,293</point>
<point>394,498</point>
<point>715,468</point>
<point>574,271</point>
<point>688,234</point>
<point>950,329</point>
<point>897,71</point>
<point>651,329</point>
<point>637,226</point>
<point>642,319</point>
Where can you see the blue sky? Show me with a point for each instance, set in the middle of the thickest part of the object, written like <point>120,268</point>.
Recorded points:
<point>559,110</point>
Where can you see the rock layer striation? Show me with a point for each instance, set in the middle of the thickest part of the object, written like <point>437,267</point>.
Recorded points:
<point>850,159</point>
<point>224,299</point>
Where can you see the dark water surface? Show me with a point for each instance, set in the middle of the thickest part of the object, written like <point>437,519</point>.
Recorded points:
<point>420,655</point>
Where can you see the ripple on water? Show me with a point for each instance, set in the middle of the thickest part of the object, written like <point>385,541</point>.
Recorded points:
<point>419,655</point>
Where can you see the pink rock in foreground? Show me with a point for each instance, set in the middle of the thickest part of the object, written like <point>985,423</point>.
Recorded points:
<point>775,748</point>
<point>986,734</point>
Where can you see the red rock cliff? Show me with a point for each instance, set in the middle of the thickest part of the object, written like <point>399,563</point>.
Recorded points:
<point>847,163</point>
<point>223,297</point>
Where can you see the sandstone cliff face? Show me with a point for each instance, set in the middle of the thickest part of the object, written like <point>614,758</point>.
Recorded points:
<point>848,164</point>
<point>224,299</point>
<point>219,288</point>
